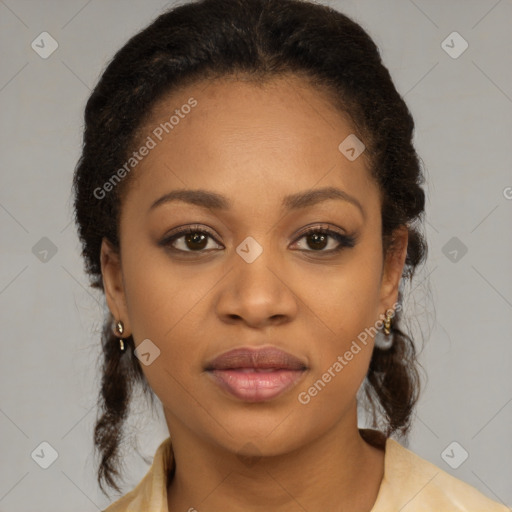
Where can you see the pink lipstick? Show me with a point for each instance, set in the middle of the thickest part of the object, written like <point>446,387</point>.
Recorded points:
<point>257,374</point>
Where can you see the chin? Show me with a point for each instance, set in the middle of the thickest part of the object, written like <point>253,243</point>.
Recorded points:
<point>260,437</point>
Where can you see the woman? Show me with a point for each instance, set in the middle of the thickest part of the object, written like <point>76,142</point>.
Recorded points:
<point>249,199</point>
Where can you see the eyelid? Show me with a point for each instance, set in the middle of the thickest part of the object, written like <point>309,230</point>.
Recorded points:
<point>320,226</point>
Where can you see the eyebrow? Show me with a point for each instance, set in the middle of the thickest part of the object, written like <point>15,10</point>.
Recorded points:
<point>300,200</point>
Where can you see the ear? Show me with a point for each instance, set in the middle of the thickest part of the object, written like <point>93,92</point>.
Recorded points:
<point>113,284</point>
<point>393,268</point>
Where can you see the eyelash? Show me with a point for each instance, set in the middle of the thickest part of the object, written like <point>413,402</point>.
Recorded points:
<point>344,241</point>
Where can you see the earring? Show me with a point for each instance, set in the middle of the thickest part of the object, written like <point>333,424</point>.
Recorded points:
<point>120,330</point>
<point>387,324</point>
<point>382,340</point>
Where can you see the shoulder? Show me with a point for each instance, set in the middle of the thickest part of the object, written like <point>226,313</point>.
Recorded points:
<point>414,484</point>
<point>150,494</point>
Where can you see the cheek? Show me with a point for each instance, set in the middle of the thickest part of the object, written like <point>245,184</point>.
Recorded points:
<point>348,305</point>
<point>331,393</point>
<point>162,307</point>
<point>349,297</point>
<point>160,295</point>
<point>169,305</point>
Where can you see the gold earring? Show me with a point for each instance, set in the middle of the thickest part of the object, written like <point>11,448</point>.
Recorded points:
<point>387,323</point>
<point>120,331</point>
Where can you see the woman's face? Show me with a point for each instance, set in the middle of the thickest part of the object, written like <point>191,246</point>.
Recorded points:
<point>268,162</point>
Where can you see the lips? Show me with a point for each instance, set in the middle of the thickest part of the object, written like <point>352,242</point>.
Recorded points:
<point>256,375</point>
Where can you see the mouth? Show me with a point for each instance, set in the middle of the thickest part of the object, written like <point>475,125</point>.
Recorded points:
<point>256,375</point>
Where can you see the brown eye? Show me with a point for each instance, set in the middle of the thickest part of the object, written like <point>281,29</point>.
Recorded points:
<point>317,239</point>
<point>196,240</point>
<point>189,240</point>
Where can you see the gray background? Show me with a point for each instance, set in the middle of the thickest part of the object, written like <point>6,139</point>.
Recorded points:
<point>50,319</point>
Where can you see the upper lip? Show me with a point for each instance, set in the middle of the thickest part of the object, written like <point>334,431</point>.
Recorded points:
<point>264,358</point>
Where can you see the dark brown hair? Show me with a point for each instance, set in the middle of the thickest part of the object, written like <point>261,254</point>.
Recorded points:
<point>259,39</point>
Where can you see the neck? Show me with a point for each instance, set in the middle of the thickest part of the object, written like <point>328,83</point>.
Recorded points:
<point>337,471</point>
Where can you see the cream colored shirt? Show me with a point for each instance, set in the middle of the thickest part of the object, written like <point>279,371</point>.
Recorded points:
<point>410,484</point>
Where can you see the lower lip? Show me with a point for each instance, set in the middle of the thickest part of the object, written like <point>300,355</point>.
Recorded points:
<point>256,386</point>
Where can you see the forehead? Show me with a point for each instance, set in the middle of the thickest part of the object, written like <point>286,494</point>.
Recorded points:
<point>245,139</point>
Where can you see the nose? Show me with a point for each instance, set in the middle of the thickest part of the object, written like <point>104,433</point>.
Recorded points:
<point>258,293</point>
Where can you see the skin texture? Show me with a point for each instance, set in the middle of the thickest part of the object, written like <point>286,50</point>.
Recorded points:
<point>256,144</point>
